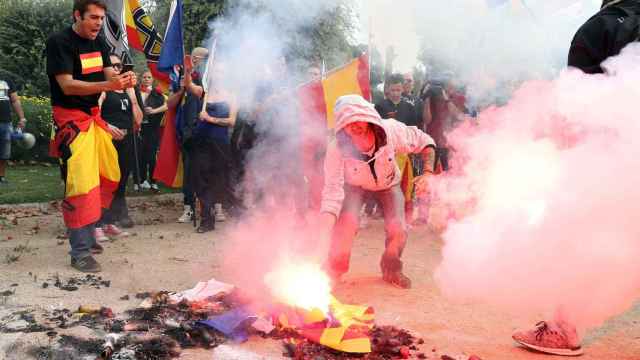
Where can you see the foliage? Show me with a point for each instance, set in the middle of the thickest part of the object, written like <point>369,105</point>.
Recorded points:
<point>37,110</point>
<point>25,26</point>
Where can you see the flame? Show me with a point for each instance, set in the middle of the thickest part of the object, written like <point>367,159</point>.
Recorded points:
<point>303,285</point>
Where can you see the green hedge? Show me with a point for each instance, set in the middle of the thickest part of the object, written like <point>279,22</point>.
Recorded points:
<point>37,110</point>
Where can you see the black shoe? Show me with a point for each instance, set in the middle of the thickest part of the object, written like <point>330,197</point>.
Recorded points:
<point>206,226</point>
<point>126,223</point>
<point>97,249</point>
<point>87,265</point>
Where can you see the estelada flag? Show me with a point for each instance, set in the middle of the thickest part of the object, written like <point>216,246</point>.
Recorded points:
<point>142,36</point>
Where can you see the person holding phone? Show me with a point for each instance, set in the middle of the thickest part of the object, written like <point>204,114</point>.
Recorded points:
<point>79,69</point>
<point>121,110</point>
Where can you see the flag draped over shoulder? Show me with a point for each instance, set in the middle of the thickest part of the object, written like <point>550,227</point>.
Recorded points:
<point>142,36</point>
<point>169,168</point>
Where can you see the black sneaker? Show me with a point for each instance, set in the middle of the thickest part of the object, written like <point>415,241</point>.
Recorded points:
<point>97,249</point>
<point>126,223</point>
<point>87,265</point>
<point>206,226</point>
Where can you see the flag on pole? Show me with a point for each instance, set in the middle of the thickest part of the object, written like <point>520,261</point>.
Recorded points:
<point>172,52</point>
<point>141,35</point>
<point>205,75</point>
<point>169,166</point>
<point>319,97</point>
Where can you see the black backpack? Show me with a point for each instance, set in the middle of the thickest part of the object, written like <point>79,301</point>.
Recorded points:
<point>629,31</point>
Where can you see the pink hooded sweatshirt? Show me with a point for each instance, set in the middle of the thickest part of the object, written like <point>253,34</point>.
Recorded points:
<point>339,167</point>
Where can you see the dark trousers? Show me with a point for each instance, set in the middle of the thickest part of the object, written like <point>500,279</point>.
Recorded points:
<point>187,182</point>
<point>210,174</point>
<point>126,162</point>
<point>148,152</point>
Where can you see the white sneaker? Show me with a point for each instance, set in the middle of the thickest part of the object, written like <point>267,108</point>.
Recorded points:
<point>145,185</point>
<point>187,215</point>
<point>155,187</point>
<point>136,188</point>
<point>219,214</point>
<point>98,233</point>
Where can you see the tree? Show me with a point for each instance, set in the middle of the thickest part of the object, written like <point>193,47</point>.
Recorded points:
<point>25,26</point>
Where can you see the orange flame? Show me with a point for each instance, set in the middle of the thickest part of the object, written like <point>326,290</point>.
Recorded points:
<point>303,285</point>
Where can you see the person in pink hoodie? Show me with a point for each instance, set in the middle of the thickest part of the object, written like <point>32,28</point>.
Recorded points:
<point>361,160</point>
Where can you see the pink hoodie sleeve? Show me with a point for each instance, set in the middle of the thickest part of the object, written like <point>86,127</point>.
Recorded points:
<point>406,139</point>
<point>333,192</point>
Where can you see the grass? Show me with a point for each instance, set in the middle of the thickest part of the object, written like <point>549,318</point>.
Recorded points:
<point>37,183</point>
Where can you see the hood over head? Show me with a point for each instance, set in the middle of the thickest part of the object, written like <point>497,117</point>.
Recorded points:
<point>354,108</point>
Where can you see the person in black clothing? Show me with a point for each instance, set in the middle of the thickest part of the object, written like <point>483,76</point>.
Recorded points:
<point>154,106</point>
<point>212,153</point>
<point>394,106</point>
<point>602,36</point>
<point>188,93</point>
<point>120,108</point>
<point>8,98</point>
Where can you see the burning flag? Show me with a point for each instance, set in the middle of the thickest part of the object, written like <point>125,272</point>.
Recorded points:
<point>316,314</point>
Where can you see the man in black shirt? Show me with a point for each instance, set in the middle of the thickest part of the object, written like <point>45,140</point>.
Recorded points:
<point>394,106</point>
<point>8,97</point>
<point>79,69</point>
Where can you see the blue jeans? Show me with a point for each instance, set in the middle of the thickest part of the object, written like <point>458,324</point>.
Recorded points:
<point>81,241</point>
<point>5,140</point>
<point>347,225</point>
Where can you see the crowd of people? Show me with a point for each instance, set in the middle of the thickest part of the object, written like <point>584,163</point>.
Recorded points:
<point>108,126</point>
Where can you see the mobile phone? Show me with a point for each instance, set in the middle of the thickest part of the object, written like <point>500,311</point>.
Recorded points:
<point>126,68</point>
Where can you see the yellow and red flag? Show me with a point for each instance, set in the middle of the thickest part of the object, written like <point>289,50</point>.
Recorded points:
<point>318,98</point>
<point>169,168</point>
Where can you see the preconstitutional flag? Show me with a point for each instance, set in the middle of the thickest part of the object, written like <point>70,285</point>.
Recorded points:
<point>142,36</point>
<point>169,167</point>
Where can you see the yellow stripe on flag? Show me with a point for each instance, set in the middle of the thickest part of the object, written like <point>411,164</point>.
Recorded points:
<point>341,82</point>
<point>91,62</point>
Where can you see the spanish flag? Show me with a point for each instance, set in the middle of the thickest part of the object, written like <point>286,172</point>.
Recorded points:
<point>143,36</point>
<point>92,172</point>
<point>345,328</point>
<point>318,98</point>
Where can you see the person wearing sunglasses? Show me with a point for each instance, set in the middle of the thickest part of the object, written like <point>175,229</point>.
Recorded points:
<point>360,161</point>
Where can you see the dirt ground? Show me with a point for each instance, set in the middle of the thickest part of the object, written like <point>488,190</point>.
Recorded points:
<point>164,255</point>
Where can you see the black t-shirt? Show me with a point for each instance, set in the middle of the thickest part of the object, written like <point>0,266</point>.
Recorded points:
<point>84,59</point>
<point>6,89</point>
<point>154,100</point>
<point>403,111</point>
<point>116,110</point>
